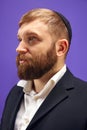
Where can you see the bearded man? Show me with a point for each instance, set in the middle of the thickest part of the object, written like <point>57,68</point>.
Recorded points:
<point>48,96</point>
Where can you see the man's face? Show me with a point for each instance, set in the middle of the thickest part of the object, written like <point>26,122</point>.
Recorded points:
<point>36,51</point>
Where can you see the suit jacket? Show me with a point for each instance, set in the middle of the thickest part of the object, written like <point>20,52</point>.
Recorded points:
<point>65,108</point>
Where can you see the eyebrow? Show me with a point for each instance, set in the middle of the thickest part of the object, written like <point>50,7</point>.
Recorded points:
<point>29,33</point>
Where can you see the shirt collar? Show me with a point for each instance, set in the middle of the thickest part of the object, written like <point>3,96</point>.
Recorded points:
<point>27,85</point>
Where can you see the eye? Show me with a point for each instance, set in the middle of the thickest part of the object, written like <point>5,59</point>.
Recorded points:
<point>19,39</point>
<point>32,39</point>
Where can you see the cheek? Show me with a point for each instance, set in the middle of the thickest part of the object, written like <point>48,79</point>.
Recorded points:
<point>35,51</point>
<point>40,49</point>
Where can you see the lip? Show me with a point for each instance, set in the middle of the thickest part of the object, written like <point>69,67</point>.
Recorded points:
<point>22,61</point>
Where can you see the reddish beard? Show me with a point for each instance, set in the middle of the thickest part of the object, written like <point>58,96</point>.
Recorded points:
<point>36,67</point>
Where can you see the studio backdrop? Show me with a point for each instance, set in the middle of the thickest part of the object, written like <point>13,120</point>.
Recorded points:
<point>10,14</point>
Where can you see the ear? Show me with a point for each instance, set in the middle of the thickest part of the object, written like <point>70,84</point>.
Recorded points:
<point>62,47</point>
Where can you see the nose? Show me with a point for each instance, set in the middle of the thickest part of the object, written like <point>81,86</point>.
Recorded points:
<point>21,48</point>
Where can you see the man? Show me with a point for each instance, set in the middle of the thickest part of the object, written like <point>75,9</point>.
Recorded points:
<point>48,96</point>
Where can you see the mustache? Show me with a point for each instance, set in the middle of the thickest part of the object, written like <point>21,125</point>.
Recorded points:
<point>21,57</point>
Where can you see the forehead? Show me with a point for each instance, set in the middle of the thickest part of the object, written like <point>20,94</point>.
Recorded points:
<point>36,26</point>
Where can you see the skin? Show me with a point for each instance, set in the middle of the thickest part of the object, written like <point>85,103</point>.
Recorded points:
<point>33,47</point>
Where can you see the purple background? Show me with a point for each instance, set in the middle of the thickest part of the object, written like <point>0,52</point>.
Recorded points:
<point>10,13</point>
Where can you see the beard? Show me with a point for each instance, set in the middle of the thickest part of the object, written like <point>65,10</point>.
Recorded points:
<point>37,66</point>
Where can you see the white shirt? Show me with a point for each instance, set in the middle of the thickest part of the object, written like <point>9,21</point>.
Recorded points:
<point>32,100</point>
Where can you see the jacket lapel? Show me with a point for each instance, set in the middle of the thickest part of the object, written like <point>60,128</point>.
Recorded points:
<point>17,101</point>
<point>57,95</point>
<point>54,98</point>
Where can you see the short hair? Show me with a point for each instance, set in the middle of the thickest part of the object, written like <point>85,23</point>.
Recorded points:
<point>58,24</point>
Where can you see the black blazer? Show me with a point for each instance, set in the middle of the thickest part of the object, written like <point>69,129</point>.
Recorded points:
<point>65,108</point>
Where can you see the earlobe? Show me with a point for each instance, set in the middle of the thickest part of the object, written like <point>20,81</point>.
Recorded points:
<point>62,47</point>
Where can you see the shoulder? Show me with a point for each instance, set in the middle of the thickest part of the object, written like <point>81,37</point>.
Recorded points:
<point>15,90</point>
<point>71,81</point>
<point>79,81</point>
<point>74,78</point>
<point>13,94</point>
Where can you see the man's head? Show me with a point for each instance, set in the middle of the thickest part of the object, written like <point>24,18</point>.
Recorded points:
<point>58,24</point>
<point>44,39</point>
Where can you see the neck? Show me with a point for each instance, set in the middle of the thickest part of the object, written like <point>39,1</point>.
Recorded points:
<point>40,83</point>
